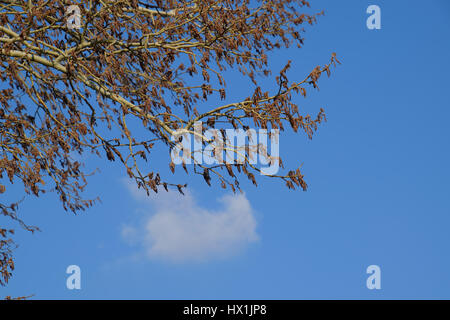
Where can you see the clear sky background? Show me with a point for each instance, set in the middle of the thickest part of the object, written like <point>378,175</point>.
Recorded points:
<point>378,174</point>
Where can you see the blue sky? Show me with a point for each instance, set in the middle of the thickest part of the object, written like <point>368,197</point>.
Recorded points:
<point>378,174</point>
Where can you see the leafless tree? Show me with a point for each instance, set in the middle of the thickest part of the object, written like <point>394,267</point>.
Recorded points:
<point>69,88</point>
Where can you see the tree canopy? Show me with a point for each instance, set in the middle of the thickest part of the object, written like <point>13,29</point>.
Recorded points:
<point>73,80</point>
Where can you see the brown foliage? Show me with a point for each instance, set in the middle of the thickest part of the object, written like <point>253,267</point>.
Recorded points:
<point>153,63</point>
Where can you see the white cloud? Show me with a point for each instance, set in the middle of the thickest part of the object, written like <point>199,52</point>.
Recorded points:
<point>177,229</point>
